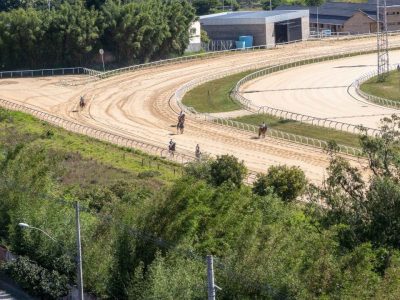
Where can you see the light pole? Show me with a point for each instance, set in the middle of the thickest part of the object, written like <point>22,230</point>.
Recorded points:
<point>48,4</point>
<point>24,225</point>
<point>101,51</point>
<point>78,244</point>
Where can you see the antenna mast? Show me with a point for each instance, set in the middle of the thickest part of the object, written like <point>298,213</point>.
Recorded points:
<point>382,40</point>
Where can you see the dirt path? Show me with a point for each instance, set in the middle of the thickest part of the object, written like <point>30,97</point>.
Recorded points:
<point>139,105</point>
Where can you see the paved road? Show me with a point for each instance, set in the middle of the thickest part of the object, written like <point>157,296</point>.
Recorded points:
<point>322,90</point>
<point>138,105</point>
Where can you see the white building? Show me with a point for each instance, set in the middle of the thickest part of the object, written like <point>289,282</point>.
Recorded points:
<point>195,37</point>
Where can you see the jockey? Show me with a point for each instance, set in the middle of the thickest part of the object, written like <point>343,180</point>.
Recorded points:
<point>171,145</point>
<point>197,152</point>
<point>263,125</point>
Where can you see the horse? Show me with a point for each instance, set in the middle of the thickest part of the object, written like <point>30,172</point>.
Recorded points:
<point>197,153</point>
<point>180,126</point>
<point>82,103</point>
<point>262,130</point>
<point>171,148</point>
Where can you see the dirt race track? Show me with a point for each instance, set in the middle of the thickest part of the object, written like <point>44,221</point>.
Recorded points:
<point>322,90</point>
<point>139,105</point>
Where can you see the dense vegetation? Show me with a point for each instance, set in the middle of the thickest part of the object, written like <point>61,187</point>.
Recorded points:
<point>73,31</point>
<point>147,238</point>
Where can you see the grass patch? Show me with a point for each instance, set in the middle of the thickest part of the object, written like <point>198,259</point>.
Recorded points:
<point>214,96</point>
<point>294,127</point>
<point>92,154</point>
<point>388,89</point>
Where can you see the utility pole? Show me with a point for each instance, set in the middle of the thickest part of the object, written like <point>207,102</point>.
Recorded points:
<point>211,286</point>
<point>382,40</point>
<point>210,278</point>
<point>79,253</point>
<point>48,4</point>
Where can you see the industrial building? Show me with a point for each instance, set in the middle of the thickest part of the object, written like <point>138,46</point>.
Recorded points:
<point>352,18</point>
<point>265,27</point>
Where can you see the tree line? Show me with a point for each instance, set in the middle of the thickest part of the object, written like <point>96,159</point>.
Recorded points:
<point>144,239</point>
<point>72,32</point>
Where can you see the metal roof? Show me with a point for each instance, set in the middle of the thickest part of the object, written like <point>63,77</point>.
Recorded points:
<point>339,12</point>
<point>252,17</point>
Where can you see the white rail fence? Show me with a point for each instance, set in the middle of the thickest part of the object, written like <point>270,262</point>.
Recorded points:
<point>48,72</point>
<point>187,58</point>
<point>279,65</point>
<point>324,122</point>
<point>97,133</point>
<point>375,99</point>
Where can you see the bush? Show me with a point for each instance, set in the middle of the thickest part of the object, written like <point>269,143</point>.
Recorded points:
<point>287,182</point>
<point>148,174</point>
<point>227,168</point>
<point>37,280</point>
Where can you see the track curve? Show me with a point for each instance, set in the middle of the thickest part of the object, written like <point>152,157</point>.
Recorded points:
<point>138,105</point>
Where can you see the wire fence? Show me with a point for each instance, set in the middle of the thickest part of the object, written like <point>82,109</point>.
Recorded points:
<point>375,99</point>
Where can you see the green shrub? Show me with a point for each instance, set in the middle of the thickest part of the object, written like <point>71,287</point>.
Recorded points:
<point>287,182</point>
<point>227,168</point>
<point>37,280</point>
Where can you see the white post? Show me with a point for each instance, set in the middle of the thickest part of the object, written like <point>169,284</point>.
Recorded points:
<point>210,278</point>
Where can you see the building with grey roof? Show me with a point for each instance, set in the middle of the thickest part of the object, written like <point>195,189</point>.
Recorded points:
<point>351,18</point>
<point>266,27</point>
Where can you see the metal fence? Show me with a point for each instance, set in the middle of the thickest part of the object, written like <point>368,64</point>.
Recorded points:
<point>98,133</point>
<point>48,72</point>
<point>375,99</point>
<point>284,63</point>
<point>296,116</point>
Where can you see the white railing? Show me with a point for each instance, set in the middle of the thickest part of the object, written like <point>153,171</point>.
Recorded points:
<point>110,137</point>
<point>281,64</point>
<point>296,116</point>
<point>347,35</point>
<point>375,99</point>
<point>48,72</point>
<point>171,61</point>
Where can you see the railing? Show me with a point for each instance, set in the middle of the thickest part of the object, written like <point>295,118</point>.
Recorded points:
<point>375,99</point>
<point>98,133</point>
<point>48,72</point>
<point>282,64</point>
<point>296,116</point>
<point>348,35</point>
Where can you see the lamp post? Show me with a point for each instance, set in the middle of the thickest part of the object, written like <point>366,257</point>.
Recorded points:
<point>79,249</point>
<point>101,51</point>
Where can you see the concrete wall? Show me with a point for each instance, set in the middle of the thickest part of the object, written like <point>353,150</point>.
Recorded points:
<point>270,34</point>
<point>232,32</point>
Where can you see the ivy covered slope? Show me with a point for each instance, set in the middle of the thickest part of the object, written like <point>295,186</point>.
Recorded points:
<point>147,237</point>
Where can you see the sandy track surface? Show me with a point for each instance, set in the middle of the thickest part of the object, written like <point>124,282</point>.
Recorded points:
<point>139,105</point>
<point>322,90</point>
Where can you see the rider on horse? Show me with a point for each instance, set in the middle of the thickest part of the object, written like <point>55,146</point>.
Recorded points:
<point>197,152</point>
<point>262,130</point>
<point>82,102</point>
<point>171,146</point>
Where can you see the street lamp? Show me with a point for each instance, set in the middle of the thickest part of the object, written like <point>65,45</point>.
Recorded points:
<point>78,244</point>
<point>101,51</point>
<point>24,225</point>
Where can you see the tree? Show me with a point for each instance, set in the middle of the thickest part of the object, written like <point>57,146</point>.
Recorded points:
<point>227,168</point>
<point>266,4</point>
<point>314,2</point>
<point>37,280</point>
<point>287,182</point>
<point>203,7</point>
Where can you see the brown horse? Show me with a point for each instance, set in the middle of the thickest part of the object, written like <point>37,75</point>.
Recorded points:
<point>171,148</point>
<point>262,131</point>
<point>181,124</point>
<point>82,103</point>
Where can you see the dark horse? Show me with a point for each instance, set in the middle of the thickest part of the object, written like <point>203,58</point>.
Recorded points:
<point>171,148</point>
<point>82,103</point>
<point>262,130</point>
<point>181,123</point>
